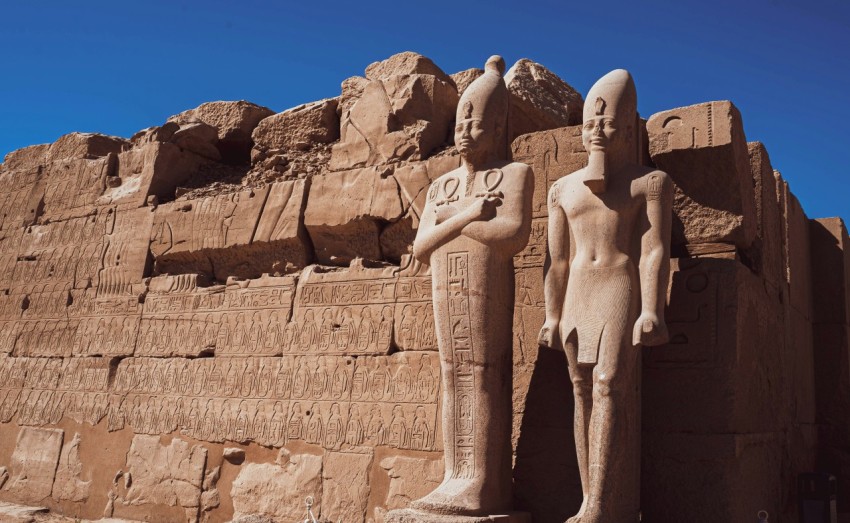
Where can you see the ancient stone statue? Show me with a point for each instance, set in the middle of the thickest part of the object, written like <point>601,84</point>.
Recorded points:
<point>610,298</point>
<point>475,219</point>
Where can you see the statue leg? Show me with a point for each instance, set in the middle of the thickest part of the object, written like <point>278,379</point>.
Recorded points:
<point>614,434</point>
<point>582,380</point>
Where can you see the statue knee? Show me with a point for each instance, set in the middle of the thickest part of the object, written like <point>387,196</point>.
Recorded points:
<point>605,386</point>
<point>582,389</point>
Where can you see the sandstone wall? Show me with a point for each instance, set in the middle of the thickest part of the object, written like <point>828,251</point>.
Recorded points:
<point>220,316</point>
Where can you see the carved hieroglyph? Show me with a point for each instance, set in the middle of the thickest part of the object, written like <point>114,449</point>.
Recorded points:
<point>609,296</point>
<point>475,219</point>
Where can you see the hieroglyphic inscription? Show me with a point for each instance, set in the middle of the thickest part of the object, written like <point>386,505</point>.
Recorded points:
<point>63,251</point>
<point>462,357</point>
<point>103,326</point>
<point>42,391</point>
<point>534,253</point>
<point>328,401</point>
<point>242,318</point>
<point>692,321</point>
<point>363,312</point>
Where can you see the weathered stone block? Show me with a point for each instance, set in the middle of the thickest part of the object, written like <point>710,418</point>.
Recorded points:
<point>395,116</point>
<point>832,361</point>
<point>346,485</point>
<point>208,236</point>
<point>69,485</point>
<point>703,149</point>
<point>405,63</point>
<point>183,318</point>
<point>280,243</point>
<point>85,146</point>
<point>713,477</point>
<point>165,479</point>
<point>346,212</point>
<point>768,243</point>
<point>26,158</point>
<point>151,169</point>
<point>126,254</point>
<point>296,129</point>
<point>830,259</point>
<point>33,465</point>
<point>414,178</point>
<point>234,122</point>
<point>197,137</point>
<point>278,490</point>
<point>364,311</point>
<point>408,479</point>
<point>462,79</point>
<point>795,240</point>
<point>540,100</point>
<point>799,365</point>
<point>723,369</point>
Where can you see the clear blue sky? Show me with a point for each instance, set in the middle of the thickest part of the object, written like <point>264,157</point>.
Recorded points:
<point>117,67</point>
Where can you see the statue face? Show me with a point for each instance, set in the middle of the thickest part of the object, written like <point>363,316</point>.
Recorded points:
<point>601,133</point>
<point>471,136</point>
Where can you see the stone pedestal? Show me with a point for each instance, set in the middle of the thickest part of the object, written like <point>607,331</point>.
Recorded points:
<point>415,516</point>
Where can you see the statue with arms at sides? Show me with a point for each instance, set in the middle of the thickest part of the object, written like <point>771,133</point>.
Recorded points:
<point>476,218</point>
<point>609,299</point>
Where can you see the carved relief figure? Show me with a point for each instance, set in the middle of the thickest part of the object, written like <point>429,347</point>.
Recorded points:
<point>475,219</point>
<point>610,298</point>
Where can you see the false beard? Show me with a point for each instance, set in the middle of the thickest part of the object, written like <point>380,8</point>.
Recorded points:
<point>596,172</point>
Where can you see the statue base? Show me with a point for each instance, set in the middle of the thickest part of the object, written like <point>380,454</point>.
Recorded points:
<point>408,515</point>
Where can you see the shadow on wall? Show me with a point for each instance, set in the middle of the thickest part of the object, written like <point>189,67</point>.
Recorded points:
<point>832,353</point>
<point>546,477</point>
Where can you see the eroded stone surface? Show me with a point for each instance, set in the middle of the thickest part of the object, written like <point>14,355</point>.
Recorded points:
<point>296,129</point>
<point>462,79</point>
<point>33,464</point>
<point>233,122</point>
<point>170,475</point>
<point>401,111</point>
<point>278,490</point>
<point>345,486</point>
<point>539,99</point>
<point>69,485</point>
<point>347,210</point>
<point>410,479</point>
<point>704,150</point>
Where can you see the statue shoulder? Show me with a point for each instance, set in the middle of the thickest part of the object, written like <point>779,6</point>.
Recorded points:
<point>519,175</point>
<point>451,174</point>
<point>440,181</point>
<point>652,183</point>
<point>518,169</point>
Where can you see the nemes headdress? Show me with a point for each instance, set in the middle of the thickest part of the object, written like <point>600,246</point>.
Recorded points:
<point>612,95</point>
<point>487,97</point>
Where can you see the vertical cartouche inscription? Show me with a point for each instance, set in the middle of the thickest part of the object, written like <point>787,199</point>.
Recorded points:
<point>461,343</point>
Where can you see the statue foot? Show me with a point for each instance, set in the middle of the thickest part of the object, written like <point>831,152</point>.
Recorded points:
<point>590,514</point>
<point>455,498</point>
<point>579,517</point>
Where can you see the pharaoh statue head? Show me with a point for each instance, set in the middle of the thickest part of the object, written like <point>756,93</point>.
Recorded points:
<point>610,124</point>
<point>482,114</point>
